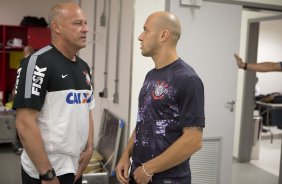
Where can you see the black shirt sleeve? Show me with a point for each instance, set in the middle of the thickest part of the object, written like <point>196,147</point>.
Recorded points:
<point>31,83</point>
<point>191,102</point>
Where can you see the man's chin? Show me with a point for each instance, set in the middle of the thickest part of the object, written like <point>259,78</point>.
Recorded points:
<point>83,45</point>
<point>145,54</point>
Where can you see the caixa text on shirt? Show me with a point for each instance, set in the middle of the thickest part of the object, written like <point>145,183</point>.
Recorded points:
<point>37,80</point>
<point>79,97</point>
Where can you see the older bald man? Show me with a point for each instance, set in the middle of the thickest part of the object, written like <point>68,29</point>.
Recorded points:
<point>53,100</point>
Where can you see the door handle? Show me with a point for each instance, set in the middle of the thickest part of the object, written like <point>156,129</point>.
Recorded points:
<point>229,104</point>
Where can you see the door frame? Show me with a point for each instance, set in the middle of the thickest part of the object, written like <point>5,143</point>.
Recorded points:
<point>247,129</point>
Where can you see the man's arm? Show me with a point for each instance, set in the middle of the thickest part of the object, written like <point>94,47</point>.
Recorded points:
<point>86,155</point>
<point>31,139</point>
<point>184,147</point>
<point>89,145</point>
<point>124,162</point>
<point>266,66</point>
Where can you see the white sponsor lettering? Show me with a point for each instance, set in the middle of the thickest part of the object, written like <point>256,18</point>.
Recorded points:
<point>17,80</point>
<point>37,80</point>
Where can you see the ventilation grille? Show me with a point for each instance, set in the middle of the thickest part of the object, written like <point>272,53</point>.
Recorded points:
<point>205,164</point>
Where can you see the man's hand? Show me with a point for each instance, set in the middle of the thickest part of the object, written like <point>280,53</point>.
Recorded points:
<point>85,157</point>
<point>140,176</point>
<point>239,61</point>
<point>122,170</point>
<point>53,181</point>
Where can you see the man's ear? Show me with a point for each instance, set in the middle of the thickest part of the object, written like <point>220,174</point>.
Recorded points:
<point>56,26</point>
<point>165,35</point>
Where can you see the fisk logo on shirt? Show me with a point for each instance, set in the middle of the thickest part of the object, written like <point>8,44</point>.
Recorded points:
<point>79,97</point>
<point>37,80</point>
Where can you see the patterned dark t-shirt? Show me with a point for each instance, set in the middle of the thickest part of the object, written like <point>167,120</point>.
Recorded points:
<point>171,98</point>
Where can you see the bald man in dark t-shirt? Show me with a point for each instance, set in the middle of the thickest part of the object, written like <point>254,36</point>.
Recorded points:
<point>171,117</point>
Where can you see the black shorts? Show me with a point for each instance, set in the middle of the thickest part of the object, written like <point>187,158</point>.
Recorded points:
<point>64,179</point>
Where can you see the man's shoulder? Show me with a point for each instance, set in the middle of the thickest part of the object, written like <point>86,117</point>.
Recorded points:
<point>184,70</point>
<point>43,50</point>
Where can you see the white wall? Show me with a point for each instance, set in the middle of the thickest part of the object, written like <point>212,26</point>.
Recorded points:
<point>270,49</point>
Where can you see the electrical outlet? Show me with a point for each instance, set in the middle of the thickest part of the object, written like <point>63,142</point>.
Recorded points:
<point>103,20</point>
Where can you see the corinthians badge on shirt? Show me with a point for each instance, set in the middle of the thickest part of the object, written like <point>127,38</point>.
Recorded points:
<point>160,90</point>
<point>87,78</point>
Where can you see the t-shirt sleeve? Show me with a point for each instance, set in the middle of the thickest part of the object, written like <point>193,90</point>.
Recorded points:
<point>191,100</point>
<point>31,84</point>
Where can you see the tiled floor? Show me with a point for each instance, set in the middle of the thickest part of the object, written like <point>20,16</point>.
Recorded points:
<point>268,152</point>
<point>265,169</point>
<point>246,173</point>
<point>262,171</point>
<point>9,165</point>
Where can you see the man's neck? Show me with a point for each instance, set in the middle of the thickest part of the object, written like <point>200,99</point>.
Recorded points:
<point>164,60</point>
<point>66,51</point>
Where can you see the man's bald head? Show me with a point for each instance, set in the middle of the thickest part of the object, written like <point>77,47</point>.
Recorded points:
<point>58,10</point>
<point>68,26</point>
<point>166,20</point>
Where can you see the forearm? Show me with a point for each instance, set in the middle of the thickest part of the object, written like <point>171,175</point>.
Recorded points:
<point>185,147</point>
<point>129,148</point>
<point>89,145</point>
<point>264,67</point>
<point>31,140</point>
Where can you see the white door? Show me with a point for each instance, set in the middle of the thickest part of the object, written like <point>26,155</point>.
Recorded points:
<point>210,37</point>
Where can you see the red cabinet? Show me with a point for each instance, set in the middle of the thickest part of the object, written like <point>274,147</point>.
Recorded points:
<point>11,51</point>
<point>38,37</point>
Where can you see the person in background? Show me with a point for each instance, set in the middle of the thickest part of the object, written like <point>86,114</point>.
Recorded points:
<point>28,50</point>
<point>257,88</point>
<point>266,66</point>
<point>170,118</point>
<point>53,102</point>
